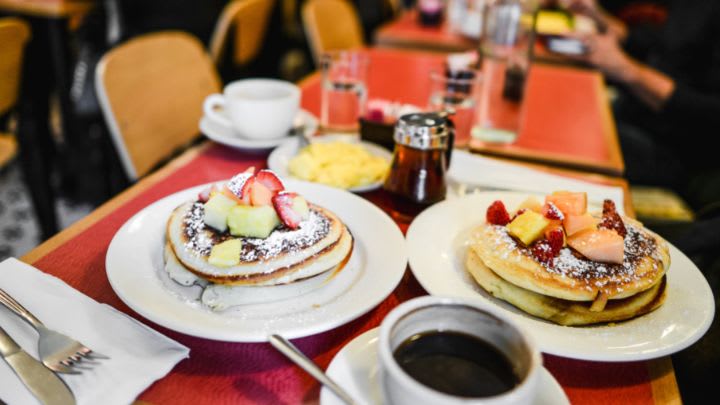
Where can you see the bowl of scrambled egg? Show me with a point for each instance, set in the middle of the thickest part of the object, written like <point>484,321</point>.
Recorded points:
<point>341,161</point>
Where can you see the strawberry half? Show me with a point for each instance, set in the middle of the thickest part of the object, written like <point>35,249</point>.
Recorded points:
<point>556,239</point>
<point>542,250</point>
<point>260,194</point>
<point>497,214</point>
<point>283,203</point>
<point>611,219</point>
<point>269,179</point>
<point>204,195</point>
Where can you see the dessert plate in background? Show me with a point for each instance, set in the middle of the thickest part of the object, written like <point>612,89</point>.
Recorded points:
<point>355,368</point>
<point>280,157</point>
<point>437,242</point>
<point>135,269</point>
<point>221,133</point>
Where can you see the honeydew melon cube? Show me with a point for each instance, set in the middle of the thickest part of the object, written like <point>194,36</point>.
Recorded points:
<point>226,254</point>
<point>217,209</point>
<point>300,206</point>
<point>253,222</point>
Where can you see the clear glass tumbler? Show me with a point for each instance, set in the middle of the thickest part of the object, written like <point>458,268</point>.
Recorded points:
<point>344,90</point>
<point>458,95</point>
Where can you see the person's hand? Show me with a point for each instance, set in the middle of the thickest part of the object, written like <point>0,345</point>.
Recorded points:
<point>605,53</point>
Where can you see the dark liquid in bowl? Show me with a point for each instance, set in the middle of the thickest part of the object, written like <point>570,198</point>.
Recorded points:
<point>456,364</point>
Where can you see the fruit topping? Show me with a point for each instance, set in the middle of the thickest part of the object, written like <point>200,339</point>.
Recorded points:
<point>239,186</point>
<point>528,227</point>
<point>568,202</point>
<point>216,211</point>
<point>611,219</point>
<point>602,245</point>
<point>531,203</point>
<point>497,214</point>
<point>542,252</point>
<point>226,254</point>
<point>552,212</point>
<point>269,179</point>
<point>576,223</point>
<point>556,238</point>
<point>291,208</point>
<point>254,222</point>
<point>259,193</point>
<point>207,192</point>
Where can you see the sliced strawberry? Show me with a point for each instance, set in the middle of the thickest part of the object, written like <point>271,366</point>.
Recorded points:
<point>611,219</point>
<point>551,211</point>
<point>270,180</point>
<point>283,203</point>
<point>543,251</point>
<point>260,194</point>
<point>204,195</point>
<point>497,214</point>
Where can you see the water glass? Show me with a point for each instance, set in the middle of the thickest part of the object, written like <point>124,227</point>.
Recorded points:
<point>344,90</point>
<point>458,94</point>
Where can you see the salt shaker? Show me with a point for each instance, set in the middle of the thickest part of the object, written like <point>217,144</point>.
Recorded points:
<point>423,144</point>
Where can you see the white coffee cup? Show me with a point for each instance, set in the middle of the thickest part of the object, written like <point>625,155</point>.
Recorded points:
<point>256,108</point>
<point>437,314</point>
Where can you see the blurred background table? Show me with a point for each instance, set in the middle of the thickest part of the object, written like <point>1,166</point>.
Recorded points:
<point>406,32</point>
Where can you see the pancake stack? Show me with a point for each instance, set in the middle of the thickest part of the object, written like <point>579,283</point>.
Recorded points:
<point>567,287</point>
<point>291,260</point>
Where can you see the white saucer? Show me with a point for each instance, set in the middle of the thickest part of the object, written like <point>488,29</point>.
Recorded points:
<point>226,135</point>
<point>355,369</point>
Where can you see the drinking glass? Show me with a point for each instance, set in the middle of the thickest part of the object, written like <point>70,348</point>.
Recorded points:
<point>344,90</point>
<point>458,95</point>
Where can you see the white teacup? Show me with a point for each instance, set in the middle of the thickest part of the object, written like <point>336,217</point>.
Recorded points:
<point>256,108</point>
<point>436,314</point>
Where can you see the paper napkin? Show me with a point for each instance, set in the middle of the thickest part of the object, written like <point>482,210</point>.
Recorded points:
<point>138,354</point>
<point>469,171</point>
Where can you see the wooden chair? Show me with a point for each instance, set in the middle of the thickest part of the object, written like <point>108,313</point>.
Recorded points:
<point>151,90</point>
<point>250,20</point>
<point>14,34</point>
<point>331,25</point>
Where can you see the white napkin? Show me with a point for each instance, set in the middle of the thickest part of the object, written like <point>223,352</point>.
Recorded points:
<point>469,171</point>
<point>138,354</point>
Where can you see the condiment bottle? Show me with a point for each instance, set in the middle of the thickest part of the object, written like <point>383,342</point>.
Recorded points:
<point>423,143</point>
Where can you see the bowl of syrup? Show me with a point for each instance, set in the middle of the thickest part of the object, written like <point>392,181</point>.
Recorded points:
<point>452,351</point>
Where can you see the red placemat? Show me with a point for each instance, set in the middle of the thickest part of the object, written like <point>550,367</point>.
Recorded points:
<point>219,372</point>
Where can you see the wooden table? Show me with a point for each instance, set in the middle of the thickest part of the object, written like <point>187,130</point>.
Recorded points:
<point>565,120</point>
<point>254,373</point>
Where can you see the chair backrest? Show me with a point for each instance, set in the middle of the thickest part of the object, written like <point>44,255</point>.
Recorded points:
<point>250,20</point>
<point>151,90</point>
<point>331,25</point>
<point>14,33</point>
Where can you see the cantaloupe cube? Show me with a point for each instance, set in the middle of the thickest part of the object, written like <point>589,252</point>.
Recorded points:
<point>568,202</point>
<point>576,223</point>
<point>601,245</point>
<point>528,227</point>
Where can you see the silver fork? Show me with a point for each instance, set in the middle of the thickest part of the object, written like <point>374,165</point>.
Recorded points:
<point>57,351</point>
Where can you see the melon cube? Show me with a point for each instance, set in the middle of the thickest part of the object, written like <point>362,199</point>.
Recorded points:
<point>528,227</point>
<point>576,223</point>
<point>600,245</point>
<point>531,203</point>
<point>568,202</point>
<point>253,222</point>
<point>216,211</point>
<point>226,254</point>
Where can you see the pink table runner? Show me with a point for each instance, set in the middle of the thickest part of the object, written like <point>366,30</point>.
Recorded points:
<point>224,373</point>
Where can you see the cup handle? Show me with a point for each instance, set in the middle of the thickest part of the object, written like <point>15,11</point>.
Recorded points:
<point>209,105</point>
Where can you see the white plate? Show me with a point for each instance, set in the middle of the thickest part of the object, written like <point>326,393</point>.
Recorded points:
<point>135,265</point>
<point>280,157</point>
<point>437,243</point>
<point>225,135</point>
<point>355,369</point>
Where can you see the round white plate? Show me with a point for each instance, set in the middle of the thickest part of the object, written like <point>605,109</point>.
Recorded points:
<point>134,265</point>
<point>355,369</point>
<point>225,135</point>
<point>280,157</point>
<point>437,244</point>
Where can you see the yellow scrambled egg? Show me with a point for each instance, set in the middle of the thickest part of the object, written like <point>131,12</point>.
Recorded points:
<point>338,164</point>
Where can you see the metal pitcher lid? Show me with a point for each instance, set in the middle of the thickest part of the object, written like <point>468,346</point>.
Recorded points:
<point>427,130</point>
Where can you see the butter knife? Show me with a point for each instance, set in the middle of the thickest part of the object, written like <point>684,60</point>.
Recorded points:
<point>47,387</point>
